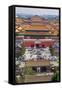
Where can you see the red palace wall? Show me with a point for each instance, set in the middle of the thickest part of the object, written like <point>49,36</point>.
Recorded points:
<point>42,44</point>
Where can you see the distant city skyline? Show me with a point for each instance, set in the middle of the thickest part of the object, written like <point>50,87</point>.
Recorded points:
<point>36,11</point>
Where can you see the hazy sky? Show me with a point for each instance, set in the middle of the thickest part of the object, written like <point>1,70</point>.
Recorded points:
<point>36,11</point>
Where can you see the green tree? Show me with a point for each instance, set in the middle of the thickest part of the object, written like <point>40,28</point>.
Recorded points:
<point>52,50</point>
<point>21,51</point>
<point>55,76</point>
<point>29,71</point>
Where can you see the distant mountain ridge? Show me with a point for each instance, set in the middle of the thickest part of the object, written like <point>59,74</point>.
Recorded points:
<point>43,16</point>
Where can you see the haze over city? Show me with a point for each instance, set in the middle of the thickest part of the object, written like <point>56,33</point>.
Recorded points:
<point>36,11</point>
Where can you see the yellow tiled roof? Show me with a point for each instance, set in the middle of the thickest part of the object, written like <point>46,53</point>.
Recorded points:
<point>37,63</point>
